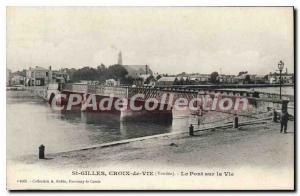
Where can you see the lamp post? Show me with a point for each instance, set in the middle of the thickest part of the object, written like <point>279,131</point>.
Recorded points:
<point>280,67</point>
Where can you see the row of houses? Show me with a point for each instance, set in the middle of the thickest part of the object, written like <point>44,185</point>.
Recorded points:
<point>144,76</point>
<point>37,76</point>
<point>286,78</point>
<point>40,76</point>
<point>272,78</point>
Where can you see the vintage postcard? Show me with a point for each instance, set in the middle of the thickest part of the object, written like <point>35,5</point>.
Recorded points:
<point>150,98</point>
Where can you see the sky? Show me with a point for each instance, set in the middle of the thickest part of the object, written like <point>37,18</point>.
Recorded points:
<point>169,39</point>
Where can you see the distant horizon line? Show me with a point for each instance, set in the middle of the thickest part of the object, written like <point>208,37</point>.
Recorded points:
<point>95,67</point>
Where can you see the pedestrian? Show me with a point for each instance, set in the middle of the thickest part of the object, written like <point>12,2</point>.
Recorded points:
<point>284,121</point>
<point>274,115</point>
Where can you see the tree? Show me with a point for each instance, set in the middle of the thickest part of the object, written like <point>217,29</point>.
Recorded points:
<point>214,77</point>
<point>101,68</point>
<point>187,81</point>
<point>128,80</point>
<point>242,73</point>
<point>117,72</point>
<point>148,80</point>
<point>181,81</point>
<point>158,77</point>
<point>102,73</point>
<point>247,79</point>
<point>71,72</point>
<point>176,82</point>
<point>266,78</point>
<point>138,81</point>
<point>85,73</point>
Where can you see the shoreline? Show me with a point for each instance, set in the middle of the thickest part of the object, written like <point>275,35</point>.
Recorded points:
<point>273,149</point>
<point>254,154</point>
<point>155,136</point>
<point>127,141</point>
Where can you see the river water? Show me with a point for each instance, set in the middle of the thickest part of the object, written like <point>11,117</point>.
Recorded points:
<point>30,122</point>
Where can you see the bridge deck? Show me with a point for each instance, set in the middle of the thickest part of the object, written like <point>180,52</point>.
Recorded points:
<point>128,92</point>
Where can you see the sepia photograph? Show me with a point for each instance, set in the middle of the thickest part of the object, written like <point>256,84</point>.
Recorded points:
<point>150,98</point>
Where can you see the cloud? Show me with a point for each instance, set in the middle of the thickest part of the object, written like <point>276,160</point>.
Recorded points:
<point>170,40</point>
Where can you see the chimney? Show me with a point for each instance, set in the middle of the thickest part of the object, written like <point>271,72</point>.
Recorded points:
<point>50,67</point>
<point>286,70</point>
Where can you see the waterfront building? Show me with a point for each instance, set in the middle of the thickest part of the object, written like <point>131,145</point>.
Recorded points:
<point>226,79</point>
<point>60,76</point>
<point>38,76</point>
<point>200,78</point>
<point>136,71</point>
<point>195,78</point>
<point>286,78</point>
<point>8,77</point>
<point>260,79</point>
<point>112,82</point>
<point>147,79</point>
<point>244,78</point>
<point>17,79</point>
<point>166,81</point>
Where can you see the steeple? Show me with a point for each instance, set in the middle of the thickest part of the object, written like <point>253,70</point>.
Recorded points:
<point>120,59</point>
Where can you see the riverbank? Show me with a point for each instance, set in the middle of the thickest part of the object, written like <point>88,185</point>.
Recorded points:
<point>261,145</point>
<point>20,94</point>
<point>256,157</point>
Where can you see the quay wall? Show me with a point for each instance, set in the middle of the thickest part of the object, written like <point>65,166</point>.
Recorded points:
<point>40,92</point>
<point>19,94</point>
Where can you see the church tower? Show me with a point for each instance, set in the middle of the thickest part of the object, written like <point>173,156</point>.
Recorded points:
<point>120,59</point>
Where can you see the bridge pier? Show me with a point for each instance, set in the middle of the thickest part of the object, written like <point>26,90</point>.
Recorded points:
<point>77,101</point>
<point>147,116</point>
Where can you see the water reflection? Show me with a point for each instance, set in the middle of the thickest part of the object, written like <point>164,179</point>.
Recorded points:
<point>109,125</point>
<point>31,123</point>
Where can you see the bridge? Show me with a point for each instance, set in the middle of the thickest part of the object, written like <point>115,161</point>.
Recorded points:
<point>168,98</point>
<point>151,92</point>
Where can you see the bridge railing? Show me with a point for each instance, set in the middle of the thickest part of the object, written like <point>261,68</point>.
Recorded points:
<point>120,92</point>
<point>128,92</point>
<point>125,91</point>
<point>259,103</point>
<point>97,89</point>
<point>78,88</point>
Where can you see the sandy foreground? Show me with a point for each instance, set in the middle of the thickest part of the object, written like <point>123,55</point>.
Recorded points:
<point>259,156</point>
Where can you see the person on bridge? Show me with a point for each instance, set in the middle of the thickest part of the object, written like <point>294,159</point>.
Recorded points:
<point>284,121</point>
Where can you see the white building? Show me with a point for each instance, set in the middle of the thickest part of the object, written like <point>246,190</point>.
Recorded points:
<point>112,82</point>
<point>166,80</point>
<point>38,76</point>
<point>17,79</point>
<point>286,78</point>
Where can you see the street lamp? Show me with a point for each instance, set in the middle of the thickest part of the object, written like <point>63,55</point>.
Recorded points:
<point>280,67</point>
